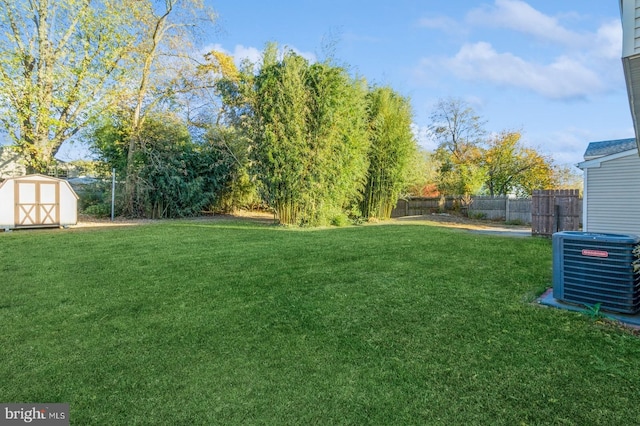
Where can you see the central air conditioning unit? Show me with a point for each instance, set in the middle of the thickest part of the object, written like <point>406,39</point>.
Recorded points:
<point>590,268</point>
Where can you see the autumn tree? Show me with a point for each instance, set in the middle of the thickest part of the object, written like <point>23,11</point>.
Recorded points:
<point>567,177</point>
<point>60,60</point>
<point>422,174</point>
<point>459,132</point>
<point>539,174</point>
<point>393,148</point>
<point>234,126</point>
<point>513,168</point>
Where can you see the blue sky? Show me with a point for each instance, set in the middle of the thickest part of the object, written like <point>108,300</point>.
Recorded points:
<point>549,68</point>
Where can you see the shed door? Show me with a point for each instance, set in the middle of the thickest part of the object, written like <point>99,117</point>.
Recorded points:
<point>37,203</point>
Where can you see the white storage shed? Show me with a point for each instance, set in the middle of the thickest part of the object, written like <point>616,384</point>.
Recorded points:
<point>36,201</point>
<point>611,193</point>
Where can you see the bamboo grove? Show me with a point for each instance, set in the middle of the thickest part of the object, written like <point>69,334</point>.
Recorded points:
<point>324,146</point>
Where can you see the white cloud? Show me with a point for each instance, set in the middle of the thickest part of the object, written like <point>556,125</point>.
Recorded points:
<point>241,53</point>
<point>519,16</point>
<point>582,68</point>
<point>563,78</point>
<point>607,42</point>
<point>567,145</point>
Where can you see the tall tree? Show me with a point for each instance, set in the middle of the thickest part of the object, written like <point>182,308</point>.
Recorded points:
<point>538,176</point>
<point>457,128</point>
<point>235,126</point>
<point>306,130</point>
<point>310,150</point>
<point>164,40</point>
<point>460,133</point>
<point>513,168</point>
<point>281,153</point>
<point>60,60</point>
<point>393,147</point>
<point>339,141</point>
<point>177,176</point>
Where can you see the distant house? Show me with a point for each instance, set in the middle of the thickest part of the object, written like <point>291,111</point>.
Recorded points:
<point>10,165</point>
<point>611,187</point>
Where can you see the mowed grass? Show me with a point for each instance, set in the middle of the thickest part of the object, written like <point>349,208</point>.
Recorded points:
<point>188,323</point>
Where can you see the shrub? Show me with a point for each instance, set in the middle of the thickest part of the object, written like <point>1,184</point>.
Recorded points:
<point>98,210</point>
<point>478,215</point>
<point>340,220</point>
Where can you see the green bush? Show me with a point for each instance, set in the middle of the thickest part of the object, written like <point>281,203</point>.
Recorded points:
<point>478,215</point>
<point>98,210</point>
<point>340,220</point>
<point>91,195</point>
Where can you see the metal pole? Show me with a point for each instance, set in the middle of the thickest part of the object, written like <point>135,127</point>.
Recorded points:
<point>113,193</point>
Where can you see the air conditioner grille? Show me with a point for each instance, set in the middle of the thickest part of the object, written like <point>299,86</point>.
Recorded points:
<point>596,268</point>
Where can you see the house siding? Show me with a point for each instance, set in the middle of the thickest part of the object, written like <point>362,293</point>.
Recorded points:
<point>630,16</point>
<point>612,196</point>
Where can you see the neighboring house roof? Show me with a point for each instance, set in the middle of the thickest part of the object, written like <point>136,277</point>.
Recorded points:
<point>598,152</point>
<point>600,149</point>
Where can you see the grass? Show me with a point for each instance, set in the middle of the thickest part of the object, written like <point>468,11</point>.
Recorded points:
<point>231,323</point>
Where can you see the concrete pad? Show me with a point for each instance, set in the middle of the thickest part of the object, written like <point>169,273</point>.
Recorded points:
<point>547,299</point>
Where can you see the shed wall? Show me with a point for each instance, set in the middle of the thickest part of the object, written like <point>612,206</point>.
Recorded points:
<point>67,207</point>
<point>7,214</point>
<point>612,196</point>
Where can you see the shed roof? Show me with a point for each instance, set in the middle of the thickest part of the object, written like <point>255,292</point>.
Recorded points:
<point>40,178</point>
<point>603,148</point>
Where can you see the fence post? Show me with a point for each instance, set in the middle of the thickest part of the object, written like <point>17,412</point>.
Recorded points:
<point>113,193</point>
<point>507,217</point>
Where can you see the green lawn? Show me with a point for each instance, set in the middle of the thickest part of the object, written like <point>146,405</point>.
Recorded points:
<point>186,323</point>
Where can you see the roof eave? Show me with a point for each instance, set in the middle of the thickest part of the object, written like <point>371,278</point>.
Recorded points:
<point>596,162</point>
<point>631,66</point>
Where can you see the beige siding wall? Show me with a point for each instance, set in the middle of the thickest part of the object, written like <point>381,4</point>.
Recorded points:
<point>636,32</point>
<point>613,196</point>
<point>631,27</point>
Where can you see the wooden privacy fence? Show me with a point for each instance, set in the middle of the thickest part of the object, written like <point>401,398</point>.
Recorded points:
<point>500,208</point>
<point>417,206</point>
<point>554,211</point>
<point>540,211</point>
